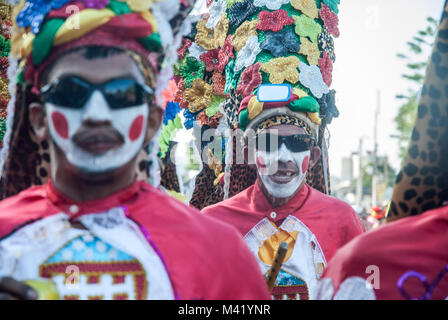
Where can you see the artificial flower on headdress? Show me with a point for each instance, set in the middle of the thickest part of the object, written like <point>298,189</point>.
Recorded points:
<point>231,78</point>
<point>212,38</point>
<point>333,5</point>
<point>211,60</point>
<point>195,51</point>
<point>182,51</point>
<point>246,30</point>
<point>311,77</point>
<point>241,11</point>
<point>282,69</point>
<point>326,43</point>
<point>270,4</point>
<point>219,83</point>
<point>308,7</point>
<point>326,68</point>
<point>248,54</point>
<point>307,27</point>
<point>328,106</point>
<point>250,80</point>
<point>330,19</point>
<point>190,119</point>
<point>280,43</point>
<point>179,95</point>
<point>274,21</point>
<point>254,108</point>
<point>225,53</point>
<point>198,96</point>
<point>217,9</point>
<point>310,50</point>
<point>215,103</point>
<point>191,69</point>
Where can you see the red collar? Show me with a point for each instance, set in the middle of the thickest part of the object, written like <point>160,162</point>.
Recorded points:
<point>261,204</point>
<point>75,209</point>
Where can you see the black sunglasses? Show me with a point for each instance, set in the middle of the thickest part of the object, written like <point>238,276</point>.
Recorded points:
<point>269,142</point>
<point>74,92</point>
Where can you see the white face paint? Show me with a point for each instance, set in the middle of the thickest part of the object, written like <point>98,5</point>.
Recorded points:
<point>129,122</point>
<point>267,164</point>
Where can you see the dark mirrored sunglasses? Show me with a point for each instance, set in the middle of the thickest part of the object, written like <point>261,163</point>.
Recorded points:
<point>74,92</point>
<point>269,142</point>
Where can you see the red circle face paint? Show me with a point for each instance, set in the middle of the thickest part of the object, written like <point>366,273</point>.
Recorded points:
<point>136,128</point>
<point>305,164</point>
<point>60,124</point>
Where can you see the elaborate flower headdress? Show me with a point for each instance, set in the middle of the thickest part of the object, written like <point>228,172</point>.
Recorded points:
<point>150,31</point>
<point>241,44</point>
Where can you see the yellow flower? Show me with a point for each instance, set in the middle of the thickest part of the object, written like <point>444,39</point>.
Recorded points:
<point>254,107</point>
<point>244,32</point>
<point>300,93</point>
<point>281,69</point>
<point>210,39</point>
<point>198,96</point>
<point>310,50</point>
<point>314,117</point>
<point>308,7</point>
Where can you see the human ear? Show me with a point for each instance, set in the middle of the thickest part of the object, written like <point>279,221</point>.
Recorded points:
<point>154,122</point>
<point>38,121</point>
<point>315,155</point>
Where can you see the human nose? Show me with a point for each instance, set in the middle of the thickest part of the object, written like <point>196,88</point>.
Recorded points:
<point>97,109</point>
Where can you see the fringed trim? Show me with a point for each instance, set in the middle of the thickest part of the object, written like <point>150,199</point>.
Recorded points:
<point>12,71</point>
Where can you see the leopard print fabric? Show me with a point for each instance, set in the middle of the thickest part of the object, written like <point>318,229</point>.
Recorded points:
<point>422,184</point>
<point>168,178</point>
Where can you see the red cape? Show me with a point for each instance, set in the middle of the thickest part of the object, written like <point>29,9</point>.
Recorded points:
<point>205,258</point>
<point>416,244</point>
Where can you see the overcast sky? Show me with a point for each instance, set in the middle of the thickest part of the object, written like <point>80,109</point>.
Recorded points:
<point>372,33</point>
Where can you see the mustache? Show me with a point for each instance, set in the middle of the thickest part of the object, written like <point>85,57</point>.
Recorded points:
<point>106,134</point>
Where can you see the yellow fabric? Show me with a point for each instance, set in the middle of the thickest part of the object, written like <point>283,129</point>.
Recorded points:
<point>300,93</point>
<point>267,252</point>
<point>314,117</point>
<point>218,179</point>
<point>254,107</point>
<point>87,20</point>
<point>27,44</point>
<point>147,15</point>
<point>177,195</point>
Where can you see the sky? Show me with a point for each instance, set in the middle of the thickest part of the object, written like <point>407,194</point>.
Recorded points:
<point>373,32</point>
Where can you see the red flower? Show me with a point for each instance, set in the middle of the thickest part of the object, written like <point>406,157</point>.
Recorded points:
<point>225,53</point>
<point>179,96</point>
<point>219,83</point>
<point>330,19</point>
<point>250,79</point>
<point>326,68</point>
<point>274,21</point>
<point>209,2</point>
<point>211,60</point>
<point>182,51</point>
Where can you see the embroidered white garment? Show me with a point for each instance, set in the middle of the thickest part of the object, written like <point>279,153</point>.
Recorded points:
<point>248,54</point>
<point>96,263</point>
<point>271,4</point>
<point>311,77</point>
<point>299,275</point>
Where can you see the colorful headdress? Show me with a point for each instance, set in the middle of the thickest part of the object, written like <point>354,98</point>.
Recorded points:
<point>150,31</point>
<point>422,184</point>
<point>241,44</point>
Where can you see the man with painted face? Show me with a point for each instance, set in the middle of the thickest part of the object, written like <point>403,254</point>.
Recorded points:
<point>282,103</point>
<point>93,231</point>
